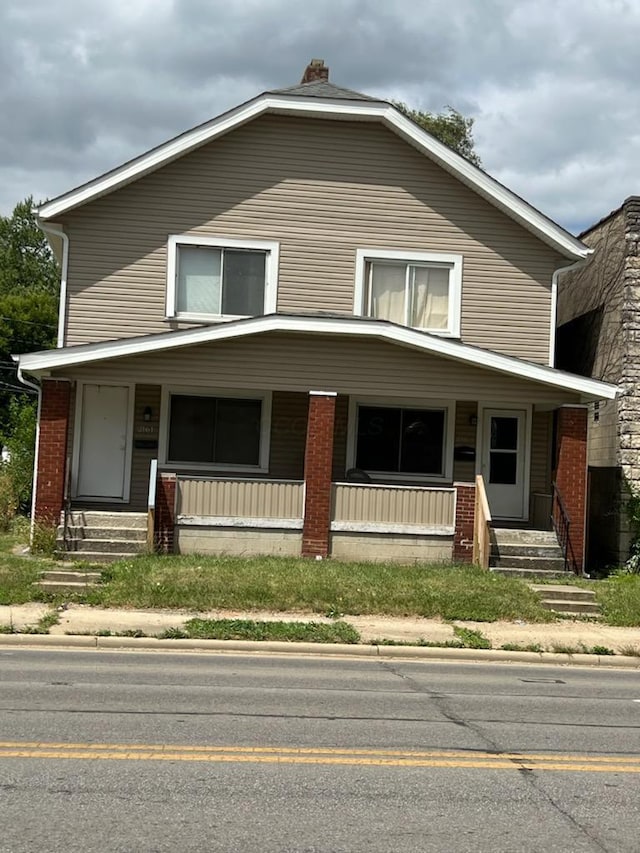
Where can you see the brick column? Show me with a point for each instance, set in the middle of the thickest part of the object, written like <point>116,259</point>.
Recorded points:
<point>571,474</point>
<point>51,451</point>
<point>465,517</point>
<point>318,460</point>
<point>165,513</point>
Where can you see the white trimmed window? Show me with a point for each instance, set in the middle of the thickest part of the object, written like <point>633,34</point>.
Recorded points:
<point>417,289</point>
<point>221,279</point>
<point>221,431</point>
<point>403,440</point>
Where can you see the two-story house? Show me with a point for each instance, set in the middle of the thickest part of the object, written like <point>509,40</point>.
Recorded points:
<point>327,328</point>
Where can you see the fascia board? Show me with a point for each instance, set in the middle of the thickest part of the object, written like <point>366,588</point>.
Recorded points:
<point>511,204</point>
<point>469,174</point>
<point>87,353</point>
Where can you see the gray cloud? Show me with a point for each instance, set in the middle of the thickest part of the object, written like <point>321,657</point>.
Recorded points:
<point>551,83</point>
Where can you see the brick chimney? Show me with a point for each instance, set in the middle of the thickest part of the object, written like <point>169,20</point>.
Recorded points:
<point>315,70</point>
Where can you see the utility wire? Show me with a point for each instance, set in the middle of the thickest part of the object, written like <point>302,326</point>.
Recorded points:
<point>28,322</point>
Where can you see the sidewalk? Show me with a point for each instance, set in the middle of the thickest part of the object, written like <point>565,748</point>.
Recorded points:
<point>551,637</point>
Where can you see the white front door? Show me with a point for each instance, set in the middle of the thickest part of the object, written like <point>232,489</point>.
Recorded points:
<point>503,461</point>
<point>103,451</point>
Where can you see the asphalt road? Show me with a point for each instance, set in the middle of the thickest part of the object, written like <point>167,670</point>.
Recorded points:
<point>104,751</point>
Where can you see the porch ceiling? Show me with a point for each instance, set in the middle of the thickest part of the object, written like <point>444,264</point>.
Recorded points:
<point>338,327</point>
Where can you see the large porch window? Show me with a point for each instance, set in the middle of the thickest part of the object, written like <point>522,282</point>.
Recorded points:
<point>403,440</point>
<point>207,430</point>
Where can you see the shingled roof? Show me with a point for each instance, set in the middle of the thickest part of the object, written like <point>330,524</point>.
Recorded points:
<point>323,89</point>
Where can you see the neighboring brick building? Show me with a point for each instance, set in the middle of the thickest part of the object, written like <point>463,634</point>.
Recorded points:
<point>599,336</point>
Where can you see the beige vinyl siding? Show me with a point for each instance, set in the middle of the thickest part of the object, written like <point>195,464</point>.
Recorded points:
<point>464,470</point>
<point>541,440</point>
<point>294,362</point>
<point>288,435</point>
<point>322,189</point>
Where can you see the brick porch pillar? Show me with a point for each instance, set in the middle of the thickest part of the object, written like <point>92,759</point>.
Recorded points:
<point>318,460</point>
<point>165,513</point>
<point>571,473</point>
<point>465,518</point>
<point>51,451</point>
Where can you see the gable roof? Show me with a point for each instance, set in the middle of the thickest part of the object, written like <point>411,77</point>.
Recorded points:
<point>330,105</point>
<point>323,89</point>
<point>339,325</point>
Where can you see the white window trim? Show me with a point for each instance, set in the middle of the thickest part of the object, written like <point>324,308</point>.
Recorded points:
<point>272,260</point>
<point>265,429</point>
<point>449,407</point>
<point>408,256</point>
<point>77,439</point>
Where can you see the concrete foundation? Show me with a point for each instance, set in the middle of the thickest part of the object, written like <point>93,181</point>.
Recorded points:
<point>390,547</point>
<point>237,542</point>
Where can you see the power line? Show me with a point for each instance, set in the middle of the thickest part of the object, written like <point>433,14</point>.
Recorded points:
<point>28,322</point>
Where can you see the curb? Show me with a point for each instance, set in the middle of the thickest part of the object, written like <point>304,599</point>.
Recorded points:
<point>426,653</point>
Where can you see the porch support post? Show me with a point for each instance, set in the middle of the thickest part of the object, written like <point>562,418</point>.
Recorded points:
<point>571,473</point>
<point>465,521</point>
<point>318,461</point>
<point>165,516</point>
<point>51,451</point>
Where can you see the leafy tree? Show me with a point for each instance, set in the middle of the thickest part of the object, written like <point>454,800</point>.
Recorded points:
<point>20,442</point>
<point>450,127</point>
<point>26,260</point>
<point>29,282</point>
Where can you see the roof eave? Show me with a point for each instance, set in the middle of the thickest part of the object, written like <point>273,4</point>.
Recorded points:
<point>41,363</point>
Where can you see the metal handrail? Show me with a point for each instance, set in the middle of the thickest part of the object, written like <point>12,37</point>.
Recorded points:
<point>561,522</point>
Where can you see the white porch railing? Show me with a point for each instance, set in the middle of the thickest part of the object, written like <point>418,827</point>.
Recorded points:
<point>239,502</point>
<point>393,509</point>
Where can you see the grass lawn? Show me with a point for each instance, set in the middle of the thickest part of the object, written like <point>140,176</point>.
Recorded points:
<point>328,587</point>
<point>619,600</point>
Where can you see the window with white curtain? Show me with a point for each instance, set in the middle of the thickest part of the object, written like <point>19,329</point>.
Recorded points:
<point>218,278</point>
<point>422,291</point>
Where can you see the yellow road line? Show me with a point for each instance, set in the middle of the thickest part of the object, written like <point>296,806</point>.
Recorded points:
<point>322,750</point>
<point>320,756</point>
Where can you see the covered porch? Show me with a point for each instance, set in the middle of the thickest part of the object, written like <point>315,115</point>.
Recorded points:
<point>320,436</point>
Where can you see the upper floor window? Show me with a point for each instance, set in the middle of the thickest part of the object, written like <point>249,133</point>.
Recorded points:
<point>216,278</point>
<point>417,289</point>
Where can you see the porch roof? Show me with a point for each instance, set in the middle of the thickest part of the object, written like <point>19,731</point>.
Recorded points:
<point>41,363</point>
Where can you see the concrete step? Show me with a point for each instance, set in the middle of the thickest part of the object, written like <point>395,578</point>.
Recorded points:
<point>531,574</point>
<point>579,608</point>
<point>565,592</point>
<point>93,518</point>
<point>519,550</point>
<point>72,577</point>
<point>132,534</point>
<point>99,556</point>
<point>517,536</point>
<point>108,546</point>
<point>553,564</point>
<point>64,586</point>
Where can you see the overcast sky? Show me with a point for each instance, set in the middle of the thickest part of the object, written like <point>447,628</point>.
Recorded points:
<point>552,84</point>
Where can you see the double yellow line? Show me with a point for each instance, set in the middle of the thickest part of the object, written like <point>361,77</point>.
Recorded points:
<point>322,756</point>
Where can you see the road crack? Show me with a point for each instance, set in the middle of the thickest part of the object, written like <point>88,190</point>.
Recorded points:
<point>527,773</point>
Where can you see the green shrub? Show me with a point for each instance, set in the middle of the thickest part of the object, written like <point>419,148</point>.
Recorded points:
<point>43,540</point>
<point>8,498</point>
<point>19,437</point>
